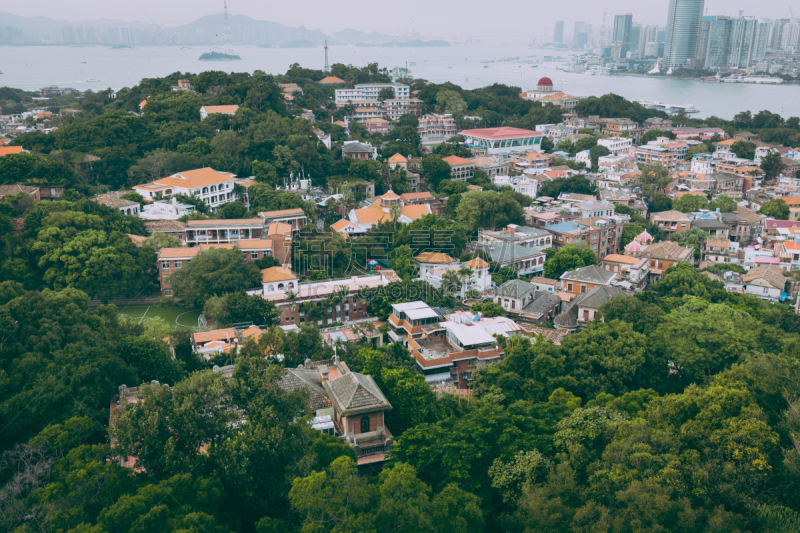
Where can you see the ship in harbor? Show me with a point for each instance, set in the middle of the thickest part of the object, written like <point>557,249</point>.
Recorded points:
<point>668,108</point>
<point>754,79</point>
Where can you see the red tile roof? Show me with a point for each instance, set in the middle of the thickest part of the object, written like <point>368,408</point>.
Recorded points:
<point>505,132</point>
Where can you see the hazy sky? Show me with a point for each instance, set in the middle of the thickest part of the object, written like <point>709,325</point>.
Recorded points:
<point>429,17</point>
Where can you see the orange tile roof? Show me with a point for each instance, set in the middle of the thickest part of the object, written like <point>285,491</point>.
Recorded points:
<point>277,273</point>
<point>474,188</point>
<point>434,257</point>
<point>214,335</point>
<point>252,330</point>
<point>375,121</point>
<point>191,179</point>
<point>791,245</point>
<point>415,211</point>
<point>617,258</point>
<point>254,244</point>
<point>454,160</point>
<point>223,245</point>
<point>226,222</point>
<point>477,263</point>
<point>138,240</point>
<point>178,253</point>
<point>390,194</point>
<point>416,195</point>
<point>397,158</point>
<point>281,213</point>
<point>279,228</point>
<point>341,224</point>
<point>221,108</point>
<point>142,104</point>
<point>331,79</point>
<point>372,215</point>
<point>5,150</point>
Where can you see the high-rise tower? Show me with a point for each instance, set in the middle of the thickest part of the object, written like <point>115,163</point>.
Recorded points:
<point>558,32</point>
<point>621,35</point>
<point>683,29</point>
<point>228,40</point>
<point>327,67</point>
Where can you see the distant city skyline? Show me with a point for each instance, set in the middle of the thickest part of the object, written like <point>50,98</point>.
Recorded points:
<point>422,16</point>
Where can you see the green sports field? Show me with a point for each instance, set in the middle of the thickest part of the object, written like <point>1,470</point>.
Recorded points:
<point>179,316</point>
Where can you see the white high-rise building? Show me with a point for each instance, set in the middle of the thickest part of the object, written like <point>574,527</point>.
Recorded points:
<point>648,34</point>
<point>683,28</point>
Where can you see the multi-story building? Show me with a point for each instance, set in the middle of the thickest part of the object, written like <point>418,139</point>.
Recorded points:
<point>655,123</point>
<point>503,140</point>
<point>296,218</point>
<point>460,169</point>
<point>377,125</point>
<point>581,280</point>
<point>617,145</point>
<point>623,127</point>
<point>657,154</point>
<point>766,282</point>
<point>217,231</point>
<point>632,272</point>
<point>621,36</point>
<point>370,91</point>
<point>213,187</point>
<point>448,348</point>
<point>602,235</point>
<point>359,150</point>
<point>527,301</point>
<point>671,221</point>
<point>394,108</point>
<point>662,255</point>
<point>434,127</point>
<point>699,133</point>
<point>584,308</point>
<point>720,250</point>
<point>170,260</point>
<point>683,28</point>
<point>746,226</point>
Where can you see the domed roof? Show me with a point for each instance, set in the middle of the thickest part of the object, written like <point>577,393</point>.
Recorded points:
<point>545,81</point>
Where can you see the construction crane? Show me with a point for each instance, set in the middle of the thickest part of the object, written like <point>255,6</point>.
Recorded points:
<point>228,40</point>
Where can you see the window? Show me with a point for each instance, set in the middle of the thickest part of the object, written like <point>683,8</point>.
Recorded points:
<point>364,424</point>
<point>569,287</point>
<point>167,292</point>
<point>254,255</point>
<point>583,289</point>
<point>165,265</point>
<point>178,264</point>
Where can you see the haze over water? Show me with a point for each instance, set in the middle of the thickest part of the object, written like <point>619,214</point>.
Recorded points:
<point>31,68</point>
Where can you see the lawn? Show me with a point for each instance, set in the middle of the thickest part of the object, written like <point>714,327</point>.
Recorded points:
<point>179,316</point>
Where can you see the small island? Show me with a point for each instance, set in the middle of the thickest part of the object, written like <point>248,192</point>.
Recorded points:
<point>218,56</point>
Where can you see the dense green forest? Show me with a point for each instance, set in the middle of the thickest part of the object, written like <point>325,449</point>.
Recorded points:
<point>678,412</point>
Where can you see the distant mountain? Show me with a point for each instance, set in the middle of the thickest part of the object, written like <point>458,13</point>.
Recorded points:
<point>36,25</point>
<point>351,36</point>
<point>245,30</point>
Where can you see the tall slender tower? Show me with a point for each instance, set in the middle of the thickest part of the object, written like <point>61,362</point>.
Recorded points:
<point>683,30</point>
<point>327,67</point>
<point>228,40</point>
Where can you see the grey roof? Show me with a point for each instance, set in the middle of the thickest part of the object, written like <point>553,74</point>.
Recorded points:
<point>542,302</point>
<point>356,147</point>
<point>589,274</point>
<point>600,295</point>
<point>297,379</point>
<point>504,252</point>
<point>596,297</point>
<point>515,288</point>
<point>709,223</point>
<point>353,393</point>
<point>533,232</point>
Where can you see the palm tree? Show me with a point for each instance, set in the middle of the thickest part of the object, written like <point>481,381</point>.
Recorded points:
<point>450,282</point>
<point>292,297</point>
<point>395,213</point>
<point>465,273</point>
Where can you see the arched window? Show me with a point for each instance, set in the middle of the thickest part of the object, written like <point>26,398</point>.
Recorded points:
<point>213,188</point>
<point>364,424</point>
<point>290,285</point>
<point>270,288</point>
<point>280,286</point>
<point>205,190</point>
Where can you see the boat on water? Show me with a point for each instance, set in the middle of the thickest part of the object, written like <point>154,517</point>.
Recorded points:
<point>669,108</point>
<point>770,80</point>
<point>710,79</point>
<point>597,70</point>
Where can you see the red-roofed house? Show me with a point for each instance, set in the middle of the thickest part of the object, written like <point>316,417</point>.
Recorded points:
<point>460,169</point>
<point>503,140</point>
<point>217,109</point>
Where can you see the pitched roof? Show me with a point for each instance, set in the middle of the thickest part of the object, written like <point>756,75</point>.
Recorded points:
<point>301,379</point>
<point>542,302</point>
<point>709,223</point>
<point>356,392</point>
<point>504,132</point>
<point>277,273</point>
<point>5,150</point>
<point>670,215</point>
<point>668,250</point>
<point>589,274</point>
<point>331,79</point>
<point>341,224</point>
<point>772,274</point>
<point>397,158</point>
<point>252,330</point>
<point>164,225</point>
<point>200,177</point>
<point>454,160</point>
<point>617,258</point>
<point>390,195</point>
<point>544,281</point>
<point>434,257</point>
<point>220,108</point>
<point>477,264</point>
<point>600,295</point>
<point>254,244</point>
<point>113,201</point>
<point>356,147</point>
<point>178,253</point>
<point>515,288</point>
<point>747,215</point>
<point>281,213</point>
<point>718,243</point>
<point>372,215</point>
<point>416,195</point>
<point>221,245</point>
<point>10,190</point>
<point>279,228</point>
<point>214,335</point>
<point>415,211</point>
